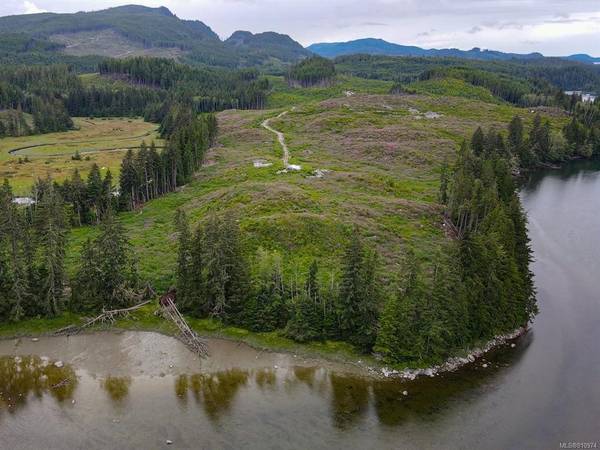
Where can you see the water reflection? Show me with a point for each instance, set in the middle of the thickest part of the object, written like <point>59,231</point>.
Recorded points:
<point>349,399</point>
<point>215,392</point>
<point>22,376</point>
<point>266,378</point>
<point>117,388</point>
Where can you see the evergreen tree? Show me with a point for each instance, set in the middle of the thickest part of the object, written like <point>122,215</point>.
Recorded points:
<point>219,280</point>
<point>95,187</point>
<point>267,308</point>
<point>359,295</point>
<point>11,229</point>
<point>128,182</point>
<point>306,323</point>
<point>399,339</point>
<point>478,142</point>
<point>110,259</point>
<point>51,229</point>
<point>516,136</point>
<point>184,261</point>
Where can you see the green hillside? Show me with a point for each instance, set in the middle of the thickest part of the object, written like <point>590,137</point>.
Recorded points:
<point>136,31</point>
<point>381,156</point>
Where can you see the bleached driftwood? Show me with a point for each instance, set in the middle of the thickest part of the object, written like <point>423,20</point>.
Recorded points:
<point>106,317</point>
<point>189,337</point>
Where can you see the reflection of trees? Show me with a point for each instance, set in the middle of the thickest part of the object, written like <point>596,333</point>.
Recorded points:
<point>265,377</point>
<point>214,391</point>
<point>350,399</point>
<point>391,406</point>
<point>181,388</point>
<point>117,388</point>
<point>21,376</point>
<point>305,375</point>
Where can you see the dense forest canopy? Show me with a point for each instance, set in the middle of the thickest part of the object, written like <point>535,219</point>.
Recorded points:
<point>563,74</point>
<point>51,94</point>
<point>312,71</point>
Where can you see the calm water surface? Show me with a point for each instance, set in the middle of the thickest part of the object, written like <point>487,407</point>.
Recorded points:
<point>136,390</point>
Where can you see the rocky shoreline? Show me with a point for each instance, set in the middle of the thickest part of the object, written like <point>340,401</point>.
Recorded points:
<point>455,362</point>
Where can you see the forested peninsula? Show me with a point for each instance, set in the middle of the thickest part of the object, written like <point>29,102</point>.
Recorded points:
<point>72,251</point>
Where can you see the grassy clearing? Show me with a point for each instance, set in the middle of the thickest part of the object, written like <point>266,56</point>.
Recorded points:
<point>103,141</point>
<point>283,96</point>
<point>454,88</point>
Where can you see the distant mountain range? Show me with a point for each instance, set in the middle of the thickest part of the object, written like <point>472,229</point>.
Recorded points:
<point>584,58</point>
<point>380,47</point>
<point>133,30</point>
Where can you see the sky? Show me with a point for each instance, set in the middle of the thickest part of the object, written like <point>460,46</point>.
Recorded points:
<point>551,27</point>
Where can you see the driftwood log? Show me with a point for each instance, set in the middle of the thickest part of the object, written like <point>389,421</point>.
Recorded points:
<point>106,317</point>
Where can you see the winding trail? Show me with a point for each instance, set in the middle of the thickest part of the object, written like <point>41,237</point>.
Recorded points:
<point>280,138</point>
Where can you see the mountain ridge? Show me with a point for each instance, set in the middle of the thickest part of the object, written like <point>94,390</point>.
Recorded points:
<point>135,30</point>
<point>376,46</point>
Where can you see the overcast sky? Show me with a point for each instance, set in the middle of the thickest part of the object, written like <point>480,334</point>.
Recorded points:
<point>552,27</point>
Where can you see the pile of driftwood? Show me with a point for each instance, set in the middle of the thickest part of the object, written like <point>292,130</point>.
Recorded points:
<point>189,337</point>
<point>167,309</point>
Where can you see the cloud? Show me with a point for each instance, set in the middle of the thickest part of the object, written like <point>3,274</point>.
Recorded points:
<point>31,8</point>
<point>475,30</point>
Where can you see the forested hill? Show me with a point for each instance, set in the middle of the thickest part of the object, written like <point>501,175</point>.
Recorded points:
<point>149,26</point>
<point>134,30</point>
<point>380,47</point>
<point>280,46</point>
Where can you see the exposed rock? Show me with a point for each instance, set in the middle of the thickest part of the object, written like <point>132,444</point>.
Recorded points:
<point>432,115</point>
<point>259,163</point>
<point>456,362</point>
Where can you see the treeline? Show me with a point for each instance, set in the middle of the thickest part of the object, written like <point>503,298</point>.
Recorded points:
<point>148,174</point>
<point>32,252</point>
<point>542,145</point>
<point>210,89</point>
<point>148,87</point>
<point>481,285</point>
<point>33,282</point>
<point>314,71</point>
<point>561,74</point>
<point>513,90</point>
<point>112,101</point>
<point>214,280</point>
<point>582,133</point>
<point>494,293</point>
<point>33,279</point>
<point>39,91</point>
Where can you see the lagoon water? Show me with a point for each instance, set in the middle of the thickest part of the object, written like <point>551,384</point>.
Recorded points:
<point>138,390</point>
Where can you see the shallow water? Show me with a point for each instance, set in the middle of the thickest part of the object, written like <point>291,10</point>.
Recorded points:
<point>138,390</point>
